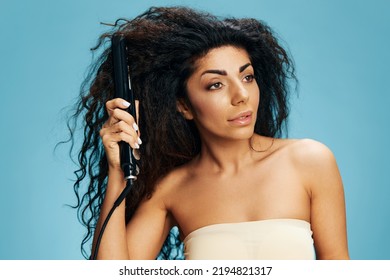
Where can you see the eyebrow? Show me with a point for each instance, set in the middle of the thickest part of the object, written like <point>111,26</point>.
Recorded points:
<point>242,68</point>
<point>223,72</point>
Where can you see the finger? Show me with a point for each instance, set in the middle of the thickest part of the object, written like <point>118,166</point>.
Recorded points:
<point>133,131</point>
<point>112,104</point>
<point>111,139</point>
<point>121,127</point>
<point>121,115</point>
<point>116,114</point>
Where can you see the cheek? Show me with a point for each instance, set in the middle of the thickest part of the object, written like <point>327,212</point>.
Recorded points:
<point>207,106</point>
<point>255,97</point>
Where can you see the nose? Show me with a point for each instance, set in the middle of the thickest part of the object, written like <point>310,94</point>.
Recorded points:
<point>239,94</point>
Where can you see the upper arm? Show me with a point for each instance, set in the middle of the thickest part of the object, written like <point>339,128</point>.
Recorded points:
<point>148,228</point>
<point>327,210</point>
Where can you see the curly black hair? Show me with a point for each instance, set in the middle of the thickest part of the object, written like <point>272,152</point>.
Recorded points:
<point>163,45</point>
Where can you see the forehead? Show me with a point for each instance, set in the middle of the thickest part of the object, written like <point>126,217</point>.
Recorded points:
<point>226,57</point>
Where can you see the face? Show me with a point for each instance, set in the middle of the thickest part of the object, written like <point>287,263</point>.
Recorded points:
<point>223,94</point>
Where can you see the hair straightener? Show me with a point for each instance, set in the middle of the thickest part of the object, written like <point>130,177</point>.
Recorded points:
<point>123,90</point>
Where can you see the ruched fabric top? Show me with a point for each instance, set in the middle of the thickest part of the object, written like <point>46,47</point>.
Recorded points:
<point>274,239</point>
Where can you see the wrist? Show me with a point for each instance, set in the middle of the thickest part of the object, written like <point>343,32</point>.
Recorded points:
<point>116,178</point>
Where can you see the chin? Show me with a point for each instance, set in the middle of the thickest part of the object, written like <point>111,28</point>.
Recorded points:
<point>244,134</point>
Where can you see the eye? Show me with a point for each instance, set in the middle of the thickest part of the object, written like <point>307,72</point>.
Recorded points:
<point>249,78</point>
<point>215,86</point>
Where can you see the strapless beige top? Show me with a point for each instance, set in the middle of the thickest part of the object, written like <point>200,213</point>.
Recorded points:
<point>274,239</point>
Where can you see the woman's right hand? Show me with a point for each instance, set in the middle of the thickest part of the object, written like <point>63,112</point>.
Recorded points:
<point>120,126</point>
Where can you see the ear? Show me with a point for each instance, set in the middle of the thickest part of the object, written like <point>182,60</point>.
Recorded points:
<point>184,109</point>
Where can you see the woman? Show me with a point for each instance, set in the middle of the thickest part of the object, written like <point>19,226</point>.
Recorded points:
<point>213,96</point>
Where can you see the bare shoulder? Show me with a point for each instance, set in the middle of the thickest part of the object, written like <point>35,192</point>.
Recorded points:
<point>157,207</point>
<point>314,162</point>
<point>168,185</point>
<point>310,153</point>
<point>316,165</point>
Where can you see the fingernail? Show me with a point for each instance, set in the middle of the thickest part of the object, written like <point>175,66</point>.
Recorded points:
<point>136,146</point>
<point>139,141</point>
<point>135,126</point>
<point>125,103</point>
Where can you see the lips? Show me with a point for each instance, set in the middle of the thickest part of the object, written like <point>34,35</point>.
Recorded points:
<point>242,115</point>
<point>242,118</point>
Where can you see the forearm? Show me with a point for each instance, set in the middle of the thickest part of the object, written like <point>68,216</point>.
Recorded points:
<point>113,244</point>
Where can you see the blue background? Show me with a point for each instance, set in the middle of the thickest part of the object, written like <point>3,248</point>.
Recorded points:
<point>341,50</point>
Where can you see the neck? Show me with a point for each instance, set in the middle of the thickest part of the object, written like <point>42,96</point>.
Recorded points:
<point>225,156</point>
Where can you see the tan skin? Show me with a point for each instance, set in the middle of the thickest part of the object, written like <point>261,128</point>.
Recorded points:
<point>228,181</point>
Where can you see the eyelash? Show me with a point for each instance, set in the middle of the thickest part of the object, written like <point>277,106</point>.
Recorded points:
<point>210,87</point>
<point>249,78</point>
<point>252,77</point>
